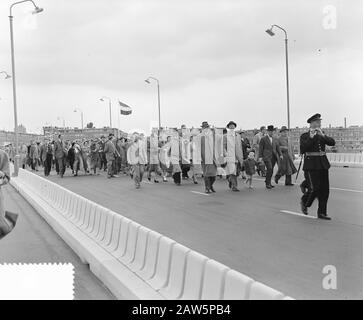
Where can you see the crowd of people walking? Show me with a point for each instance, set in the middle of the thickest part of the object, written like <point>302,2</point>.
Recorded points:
<point>173,155</point>
<point>184,154</point>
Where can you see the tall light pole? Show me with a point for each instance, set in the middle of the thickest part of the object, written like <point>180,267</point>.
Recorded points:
<point>109,105</point>
<point>36,10</point>
<point>158,84</point>
<point>80,110</point>
<point>7,76</point>
<point>271,33</point>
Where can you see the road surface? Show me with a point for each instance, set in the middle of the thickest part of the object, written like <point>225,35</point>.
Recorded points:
<point>254,231</point>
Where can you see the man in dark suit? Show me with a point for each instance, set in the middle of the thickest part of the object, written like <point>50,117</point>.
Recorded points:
<point>110,151</point>
<point>270,153</point>
<point>316,166</point>
<point>46,155</point>
<point>59,154</point>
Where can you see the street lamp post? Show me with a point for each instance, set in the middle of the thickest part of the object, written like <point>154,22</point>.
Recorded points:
<point>158,86</point>
<point>271,33</point>
<point>80,110</point>
<point>109,105</point>
<point>36,10</point>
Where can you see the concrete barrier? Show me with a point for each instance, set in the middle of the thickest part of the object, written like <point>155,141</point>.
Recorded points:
<point>104,213</point>
<point>194,276</point>
<point>140,251</point>
<point>133,261</point>
<point>214,277</point>
<point>108,231</point>
<point>174,289</point>
<point>162,269</point>
<point>354,160</point>
<point>260,291</point>
<point>237,286</point>
<point>132,234</point>
<point>122,239</point>
<point>152,249</point>
<point>116,228</point>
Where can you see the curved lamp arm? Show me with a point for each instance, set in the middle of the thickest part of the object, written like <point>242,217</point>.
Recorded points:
<point>37,9</point>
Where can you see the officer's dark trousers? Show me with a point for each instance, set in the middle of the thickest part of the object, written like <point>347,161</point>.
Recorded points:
<point>270,164</point>
<point>318,187</point>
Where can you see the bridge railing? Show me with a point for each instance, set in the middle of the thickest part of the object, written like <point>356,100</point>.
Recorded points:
<point>354,160</point>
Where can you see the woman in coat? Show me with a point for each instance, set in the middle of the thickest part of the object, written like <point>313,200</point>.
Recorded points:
<point>286,165</point>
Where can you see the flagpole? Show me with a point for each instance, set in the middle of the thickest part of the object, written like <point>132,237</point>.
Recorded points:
<point>118,120</point>
<point>128,110</point>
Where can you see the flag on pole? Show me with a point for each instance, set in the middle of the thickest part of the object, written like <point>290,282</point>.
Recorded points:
<point>125,109</point>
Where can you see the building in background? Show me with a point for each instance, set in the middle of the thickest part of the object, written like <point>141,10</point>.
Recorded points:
<point>86,133</point>
<point>7,137</point>
<point>21,128</point>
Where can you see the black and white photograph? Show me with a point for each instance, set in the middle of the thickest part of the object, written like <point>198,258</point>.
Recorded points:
<point>168,150</point>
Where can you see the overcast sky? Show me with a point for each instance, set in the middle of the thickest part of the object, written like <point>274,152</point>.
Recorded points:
<point>213,59</point>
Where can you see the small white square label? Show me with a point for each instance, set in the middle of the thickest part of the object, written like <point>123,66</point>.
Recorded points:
<point>36,281</point>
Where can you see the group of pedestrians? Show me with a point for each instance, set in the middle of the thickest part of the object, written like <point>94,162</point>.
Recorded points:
<point>206,152</point>
<point>88,156</point>
<point>182,154</point>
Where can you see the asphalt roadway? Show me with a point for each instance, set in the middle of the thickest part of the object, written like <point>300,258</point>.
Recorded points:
<point>258,232</point>
<point>34,241</point>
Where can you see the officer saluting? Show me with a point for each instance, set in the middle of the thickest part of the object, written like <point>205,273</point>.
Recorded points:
<point>316,166</point>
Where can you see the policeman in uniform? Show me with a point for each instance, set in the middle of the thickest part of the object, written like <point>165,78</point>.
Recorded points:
<point>316,166</point>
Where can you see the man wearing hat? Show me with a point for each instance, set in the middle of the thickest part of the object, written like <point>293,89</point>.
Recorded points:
<point>286,165</point>
<point>208,157</point>
<point>46,154</point>
<point>316,166</point>
<point>59,155</point>
<point>110,151</point>
<point>232,146</point>
<point>270,153</point>
<point>137,157</point>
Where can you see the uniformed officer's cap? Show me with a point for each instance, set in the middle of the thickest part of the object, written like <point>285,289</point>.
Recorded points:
<point>315,117</point>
